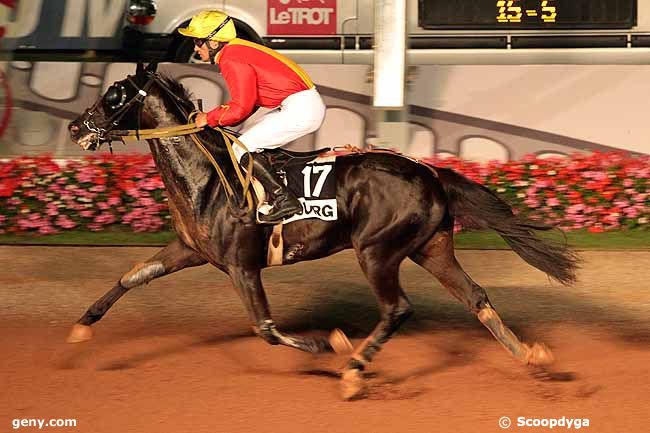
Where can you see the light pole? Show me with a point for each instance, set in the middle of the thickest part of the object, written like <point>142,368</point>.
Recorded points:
<point>389,85</point>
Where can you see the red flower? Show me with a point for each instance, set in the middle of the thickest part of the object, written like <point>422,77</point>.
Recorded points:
<point>7,187</point>
<point>609,194</point>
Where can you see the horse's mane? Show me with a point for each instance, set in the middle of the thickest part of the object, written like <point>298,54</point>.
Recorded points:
<point>186,100</point>
<point>179,90</point>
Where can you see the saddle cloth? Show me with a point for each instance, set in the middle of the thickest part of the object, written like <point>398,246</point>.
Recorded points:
<point>312,182</point>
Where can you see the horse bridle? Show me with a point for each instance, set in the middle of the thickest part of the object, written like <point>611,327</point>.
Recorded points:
<point>107,132</point>
<point>103,131</point>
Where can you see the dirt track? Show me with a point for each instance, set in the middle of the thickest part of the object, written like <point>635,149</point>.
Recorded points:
<point>178,355</point>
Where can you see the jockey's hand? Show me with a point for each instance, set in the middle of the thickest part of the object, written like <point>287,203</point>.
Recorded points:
<point>201,120</point>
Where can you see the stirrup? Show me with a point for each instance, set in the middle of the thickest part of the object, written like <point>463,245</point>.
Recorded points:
<point>266,209</point>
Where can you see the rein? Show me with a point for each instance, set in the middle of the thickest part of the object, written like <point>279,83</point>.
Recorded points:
<point>176,131</point>
<point>190,129</point>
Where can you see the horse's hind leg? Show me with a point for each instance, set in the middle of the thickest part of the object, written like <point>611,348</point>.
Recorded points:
<point>172,258</point>
<point>437,257</point>
<point>383,276</point>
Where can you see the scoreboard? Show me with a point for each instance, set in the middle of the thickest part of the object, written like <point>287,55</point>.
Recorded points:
<point>527,14</point>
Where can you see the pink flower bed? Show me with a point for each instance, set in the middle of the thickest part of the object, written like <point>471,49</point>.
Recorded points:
<point>39,195</point>
<point>598,191</point>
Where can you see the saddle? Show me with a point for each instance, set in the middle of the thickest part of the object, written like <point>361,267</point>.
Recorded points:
<point>281,161</point>
<point>282,158</point>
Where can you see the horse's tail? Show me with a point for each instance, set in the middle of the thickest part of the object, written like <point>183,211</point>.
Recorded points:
<point>479,206</point>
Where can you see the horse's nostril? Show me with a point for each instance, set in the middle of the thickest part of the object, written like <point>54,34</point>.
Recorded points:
<point>74,129</point>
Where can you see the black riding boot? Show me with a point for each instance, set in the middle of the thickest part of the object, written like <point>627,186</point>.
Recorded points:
<point>283,203</point>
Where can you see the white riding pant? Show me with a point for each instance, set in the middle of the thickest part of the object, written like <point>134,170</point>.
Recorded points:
<point>299,114</point>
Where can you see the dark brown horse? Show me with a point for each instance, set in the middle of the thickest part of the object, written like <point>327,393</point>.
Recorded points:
<point>389,208</point>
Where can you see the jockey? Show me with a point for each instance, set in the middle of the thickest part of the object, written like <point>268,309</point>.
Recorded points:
<point>258,77</point>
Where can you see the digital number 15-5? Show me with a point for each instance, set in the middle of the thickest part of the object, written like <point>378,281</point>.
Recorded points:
<point>510,12</point>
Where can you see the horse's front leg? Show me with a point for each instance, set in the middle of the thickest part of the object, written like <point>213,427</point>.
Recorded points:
<point>248,283</point>
<point>172,258</point>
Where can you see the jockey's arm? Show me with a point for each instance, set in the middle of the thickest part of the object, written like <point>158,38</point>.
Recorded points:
<point>242,83</point>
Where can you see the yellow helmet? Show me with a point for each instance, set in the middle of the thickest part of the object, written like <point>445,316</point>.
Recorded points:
<point>212,25</point>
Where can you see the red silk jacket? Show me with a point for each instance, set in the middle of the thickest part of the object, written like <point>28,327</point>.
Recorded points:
<point>256,76</point>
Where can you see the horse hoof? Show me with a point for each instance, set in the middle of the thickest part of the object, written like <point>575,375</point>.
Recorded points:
<point>352,384</point>
<point>540,355</point>
<point>340,342</point>
<point>79,333</point>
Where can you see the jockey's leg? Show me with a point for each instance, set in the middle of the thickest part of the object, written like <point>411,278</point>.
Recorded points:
<point>283,203</point>
<point>300,114</point>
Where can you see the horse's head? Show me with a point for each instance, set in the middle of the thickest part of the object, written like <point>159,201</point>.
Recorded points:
<point>117,109</point>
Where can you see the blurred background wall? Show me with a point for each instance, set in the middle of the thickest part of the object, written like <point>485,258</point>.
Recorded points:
<point>477,112</point>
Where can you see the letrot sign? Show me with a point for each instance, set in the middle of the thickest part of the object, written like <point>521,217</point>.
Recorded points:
<point>301,17</point>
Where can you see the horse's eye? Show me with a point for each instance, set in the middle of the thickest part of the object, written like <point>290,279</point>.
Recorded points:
<point>115,97</point>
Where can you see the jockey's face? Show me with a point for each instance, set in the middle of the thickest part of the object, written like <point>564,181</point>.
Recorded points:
<point>203,50</point>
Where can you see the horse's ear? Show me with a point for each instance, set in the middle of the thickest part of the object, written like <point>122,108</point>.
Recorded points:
<point>152,67</point>
<point>139,70</point>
